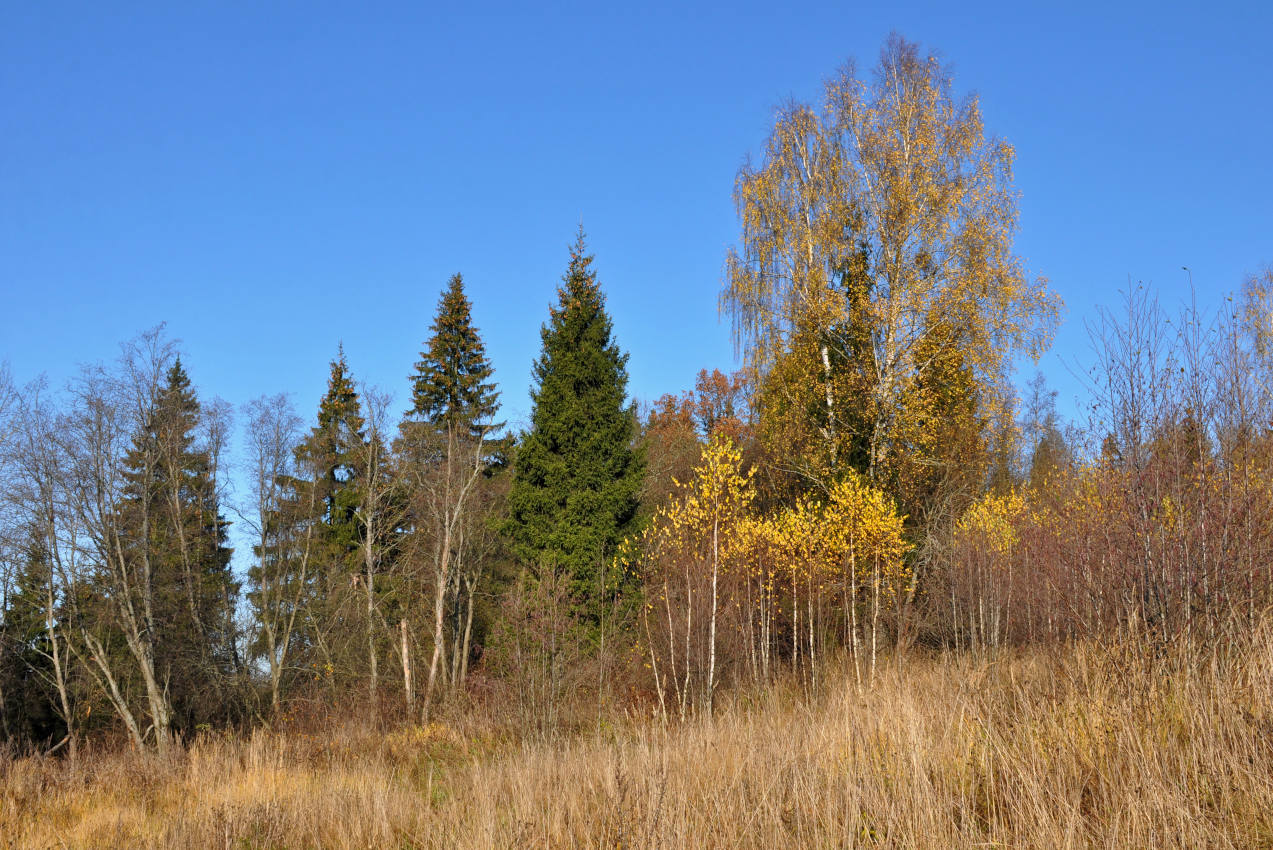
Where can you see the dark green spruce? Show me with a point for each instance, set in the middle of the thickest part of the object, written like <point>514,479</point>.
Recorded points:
<point>577,474</point>
<point>326,498</point>
<point>331,455</point>
<point>452,385</point>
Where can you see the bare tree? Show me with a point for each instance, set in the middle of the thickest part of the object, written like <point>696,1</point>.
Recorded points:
<point>106,410</point>
<point>284,546</point>
<point>38,466</point>
<point>443,467</point>
<point>380,515</point>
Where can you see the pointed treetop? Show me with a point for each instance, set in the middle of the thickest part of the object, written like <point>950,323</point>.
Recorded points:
<point>178,381</point>
<point>340,404</point>
<point>451,385</point>
<point>576,477</point>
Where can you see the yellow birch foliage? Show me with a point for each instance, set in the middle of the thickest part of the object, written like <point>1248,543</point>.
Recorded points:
<point>687,550</point>
<point>856,528</point>
<point>706,508</point>
<point>864,529</point>
<point>861,223</point>
<point>990,524</point>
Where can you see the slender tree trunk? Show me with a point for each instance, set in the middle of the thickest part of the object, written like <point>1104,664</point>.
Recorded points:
<point>813,670</point>
<point>689,658</point>
<point>711,664</point>
<point>441,575</point>
<point>457,622</point>
<point>654,664</point>
<point>853,612</point>
<point>471,586</point>
<point>407,688</point>
<point>671,644</point>
<point>875,613</point>
<point>141,643</point>
<point>372,660</point>
<point>831,424</point>
<point>59,673</point>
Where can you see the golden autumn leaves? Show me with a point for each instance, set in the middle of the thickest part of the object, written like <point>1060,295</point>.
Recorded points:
<point>878,301</point>
<point>730,588</point>
<point>876,253</point>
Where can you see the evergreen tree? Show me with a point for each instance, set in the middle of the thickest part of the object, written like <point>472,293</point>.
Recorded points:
<point>577,473</point>
<point>326,498</point>
<point>331,453</point>
<point>451,386</point>
<point>29,712</point>
<point>170,508</point>
<point>446,449</point>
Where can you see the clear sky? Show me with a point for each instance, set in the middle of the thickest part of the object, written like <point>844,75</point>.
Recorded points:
<point>271,179</point>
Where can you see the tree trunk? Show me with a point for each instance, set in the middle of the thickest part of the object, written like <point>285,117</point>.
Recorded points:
<point>407,688</point>
<point>441,574</point>
<point>372,661</point>
<point>711,664</point>
<point>471,586</point>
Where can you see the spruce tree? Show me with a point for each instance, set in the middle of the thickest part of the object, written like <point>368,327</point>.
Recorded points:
<point>452,386</point>
<point>326,497</point>
<point>447,449</point>
<point>330,453</point>
<point>170,507</point>
<point>577,474</point>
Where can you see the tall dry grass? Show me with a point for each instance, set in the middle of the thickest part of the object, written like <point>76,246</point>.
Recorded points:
<point>1076,747</point>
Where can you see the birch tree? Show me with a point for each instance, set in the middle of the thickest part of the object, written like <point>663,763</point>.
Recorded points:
<point>689,552</point>
<point>877,241</point>
<point>279,580</point>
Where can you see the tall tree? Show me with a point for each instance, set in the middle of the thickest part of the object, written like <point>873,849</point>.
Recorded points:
<point>877,252</point>
<point>326,493</point>
<point>183,536</point>
<point>330,451</point>
<point>451,385</point>
<point>445,451</point>
<point>577,474</point>
<point>280,582</point>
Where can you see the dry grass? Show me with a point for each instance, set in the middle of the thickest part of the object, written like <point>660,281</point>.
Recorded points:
<point>1071,748</point>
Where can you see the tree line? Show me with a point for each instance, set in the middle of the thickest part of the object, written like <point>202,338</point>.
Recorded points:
<point>868,482</point>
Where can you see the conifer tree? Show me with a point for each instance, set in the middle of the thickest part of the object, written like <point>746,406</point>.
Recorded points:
<point>451,386</point>
<point>326,495</point>
<point>445,451</point>
<point>577,474</point>
<point>170,508</point>
<point>330,453</point>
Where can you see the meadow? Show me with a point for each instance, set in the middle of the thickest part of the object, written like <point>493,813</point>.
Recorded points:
<point>1083,746</point>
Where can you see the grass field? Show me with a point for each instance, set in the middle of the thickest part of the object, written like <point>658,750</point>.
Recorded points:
<point>1075,747</point>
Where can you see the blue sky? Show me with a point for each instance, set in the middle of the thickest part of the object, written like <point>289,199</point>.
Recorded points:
<point>271,179</point>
